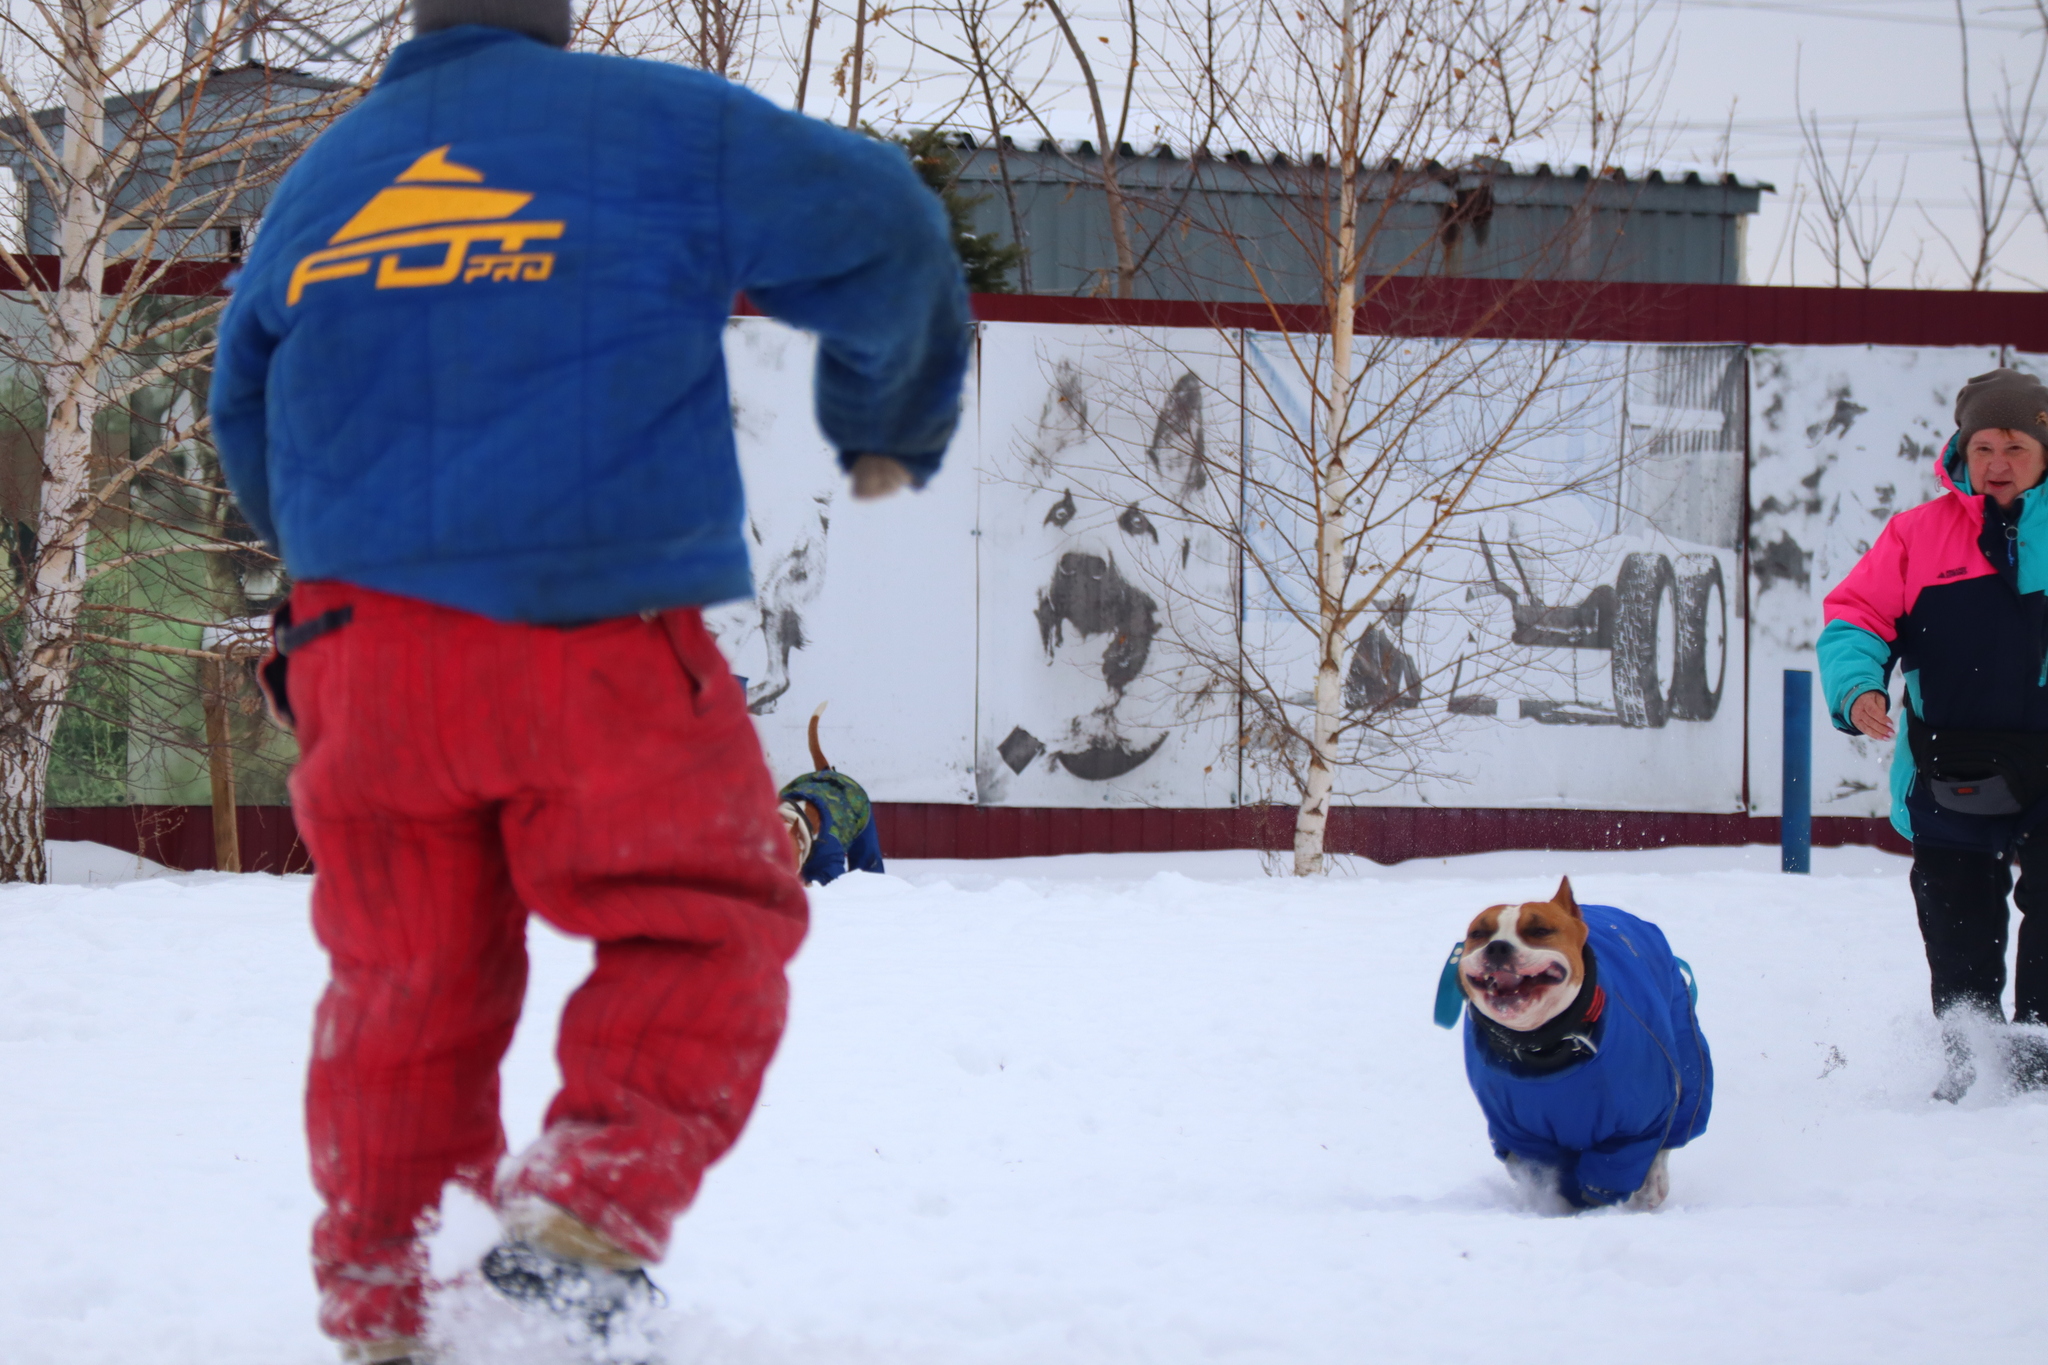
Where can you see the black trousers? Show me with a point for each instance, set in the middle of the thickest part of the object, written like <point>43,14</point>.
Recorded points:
<point>1961,895</point>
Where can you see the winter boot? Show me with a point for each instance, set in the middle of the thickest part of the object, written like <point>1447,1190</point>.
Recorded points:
<point>553,1262</point>
<point>1959,1073</point>
<point>391,1351</point>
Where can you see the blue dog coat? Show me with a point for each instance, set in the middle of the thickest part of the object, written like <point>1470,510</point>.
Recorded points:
<point>846,840</point>
<point>1649,1085</point>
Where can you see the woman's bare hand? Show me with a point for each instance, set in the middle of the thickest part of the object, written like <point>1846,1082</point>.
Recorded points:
<point>1871,715</point>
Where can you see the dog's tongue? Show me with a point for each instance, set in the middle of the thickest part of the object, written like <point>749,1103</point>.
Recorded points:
<point>1503,981</point>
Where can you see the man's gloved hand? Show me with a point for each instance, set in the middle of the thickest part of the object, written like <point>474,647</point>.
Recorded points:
<point>877,476</point>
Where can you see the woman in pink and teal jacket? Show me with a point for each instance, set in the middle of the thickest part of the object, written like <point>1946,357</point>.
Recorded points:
<point>1953,593</point>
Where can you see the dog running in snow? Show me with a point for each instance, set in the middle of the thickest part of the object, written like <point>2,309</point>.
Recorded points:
<point>830,820</point>
<point>1583,1047</point>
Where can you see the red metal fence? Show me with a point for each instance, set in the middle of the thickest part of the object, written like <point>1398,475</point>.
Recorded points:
<point>1384,834</point>
<point>1758,315</point>
<point>182,836</point>
<point>1670,313</point>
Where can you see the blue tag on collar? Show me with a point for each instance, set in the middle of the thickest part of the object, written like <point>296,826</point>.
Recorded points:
<point>1450,997</point>
<point>1692,987</point>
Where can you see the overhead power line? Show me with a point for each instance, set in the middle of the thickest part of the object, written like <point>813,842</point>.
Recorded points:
<point>1865,13</point>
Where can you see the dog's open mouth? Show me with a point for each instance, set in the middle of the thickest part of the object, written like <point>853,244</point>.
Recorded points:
<point>1509,991</point>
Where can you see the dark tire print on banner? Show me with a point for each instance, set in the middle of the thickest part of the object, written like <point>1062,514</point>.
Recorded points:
<point>1702,646</point>
<point>1645,655</point>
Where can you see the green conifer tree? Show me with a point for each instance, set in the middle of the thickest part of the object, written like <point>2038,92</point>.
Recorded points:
<point>988,260</point>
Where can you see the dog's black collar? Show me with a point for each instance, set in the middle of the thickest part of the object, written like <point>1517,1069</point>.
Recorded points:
<point>1565,1041</point>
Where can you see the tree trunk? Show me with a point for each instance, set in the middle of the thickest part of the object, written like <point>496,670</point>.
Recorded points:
<point>41,670</point>
<point>1106,161</point>
<point>1119,224</point>
<point>803,74</point>
<point>220,765</point>
<point>24,772</point>
<point>860,60</point>
<point>1333,508</point>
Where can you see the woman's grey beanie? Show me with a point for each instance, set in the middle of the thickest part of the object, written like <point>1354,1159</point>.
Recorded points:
<point>2004,398</point>
<point>548,20</point>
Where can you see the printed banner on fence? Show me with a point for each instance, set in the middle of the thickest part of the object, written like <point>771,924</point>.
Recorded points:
<point>867,606</point>
<point>1108,603</point>
<point>1546,538</point>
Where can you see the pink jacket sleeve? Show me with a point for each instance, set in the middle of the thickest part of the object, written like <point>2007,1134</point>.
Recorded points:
<point>1874,595</point>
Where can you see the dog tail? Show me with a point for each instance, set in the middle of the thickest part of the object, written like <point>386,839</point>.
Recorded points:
<point>818,763</point>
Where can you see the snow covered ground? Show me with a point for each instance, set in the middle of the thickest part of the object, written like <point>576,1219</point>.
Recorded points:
<point>1145,1109</point>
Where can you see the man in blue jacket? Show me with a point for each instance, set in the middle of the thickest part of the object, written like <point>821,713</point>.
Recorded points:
<point>470,385</point>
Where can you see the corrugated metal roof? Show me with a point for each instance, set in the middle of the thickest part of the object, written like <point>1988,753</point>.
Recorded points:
<point>1084,149</point>
<point>1208,222</point>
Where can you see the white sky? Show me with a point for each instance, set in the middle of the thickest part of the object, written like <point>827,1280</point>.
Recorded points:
<point>1888,69</point>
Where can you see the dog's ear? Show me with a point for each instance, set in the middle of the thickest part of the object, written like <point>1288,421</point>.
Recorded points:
<point>1563,899</point>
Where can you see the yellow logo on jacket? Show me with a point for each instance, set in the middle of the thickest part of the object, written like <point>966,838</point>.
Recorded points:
<point>429,206</point>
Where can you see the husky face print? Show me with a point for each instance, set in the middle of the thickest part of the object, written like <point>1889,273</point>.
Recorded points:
<point>1095,623</point>
<point>1100,626</point>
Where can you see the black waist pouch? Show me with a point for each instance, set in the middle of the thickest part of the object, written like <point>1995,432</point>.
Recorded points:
<point>1980,772</point>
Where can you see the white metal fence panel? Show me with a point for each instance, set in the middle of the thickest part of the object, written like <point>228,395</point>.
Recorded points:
<point>1108,590</point>
<point>1841,437</point>
<point>867,606</point>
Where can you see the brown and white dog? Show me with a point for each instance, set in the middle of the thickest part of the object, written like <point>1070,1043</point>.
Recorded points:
<point>800,819</point>
<point>1583,1047</point>
<point>830,820</point>
<point>1524,964</point>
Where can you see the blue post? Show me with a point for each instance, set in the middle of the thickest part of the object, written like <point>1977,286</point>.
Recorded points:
<point>1795,829</point>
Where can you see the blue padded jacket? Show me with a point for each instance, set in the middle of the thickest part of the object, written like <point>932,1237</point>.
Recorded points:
<point>475,353</point>
<point>1601,1122</point>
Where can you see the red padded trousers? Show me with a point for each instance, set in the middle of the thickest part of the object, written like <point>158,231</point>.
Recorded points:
<point>456,773</point>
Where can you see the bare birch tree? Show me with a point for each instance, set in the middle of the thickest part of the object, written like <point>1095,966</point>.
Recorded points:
<point>1997,165</point>
<point>1157,72</point>
<point>1398,92</point>
<point>143,154</point>
<point>1854,218</point>
<point>1375,458</point>
<point>1002,72</point>
<point>2021,122</point>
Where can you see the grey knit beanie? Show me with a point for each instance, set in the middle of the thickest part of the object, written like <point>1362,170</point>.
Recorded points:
<point>2004,398</point>
<point>548,20</point>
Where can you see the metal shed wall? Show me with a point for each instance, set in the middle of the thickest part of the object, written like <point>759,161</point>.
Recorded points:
<point>1208,228</point>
